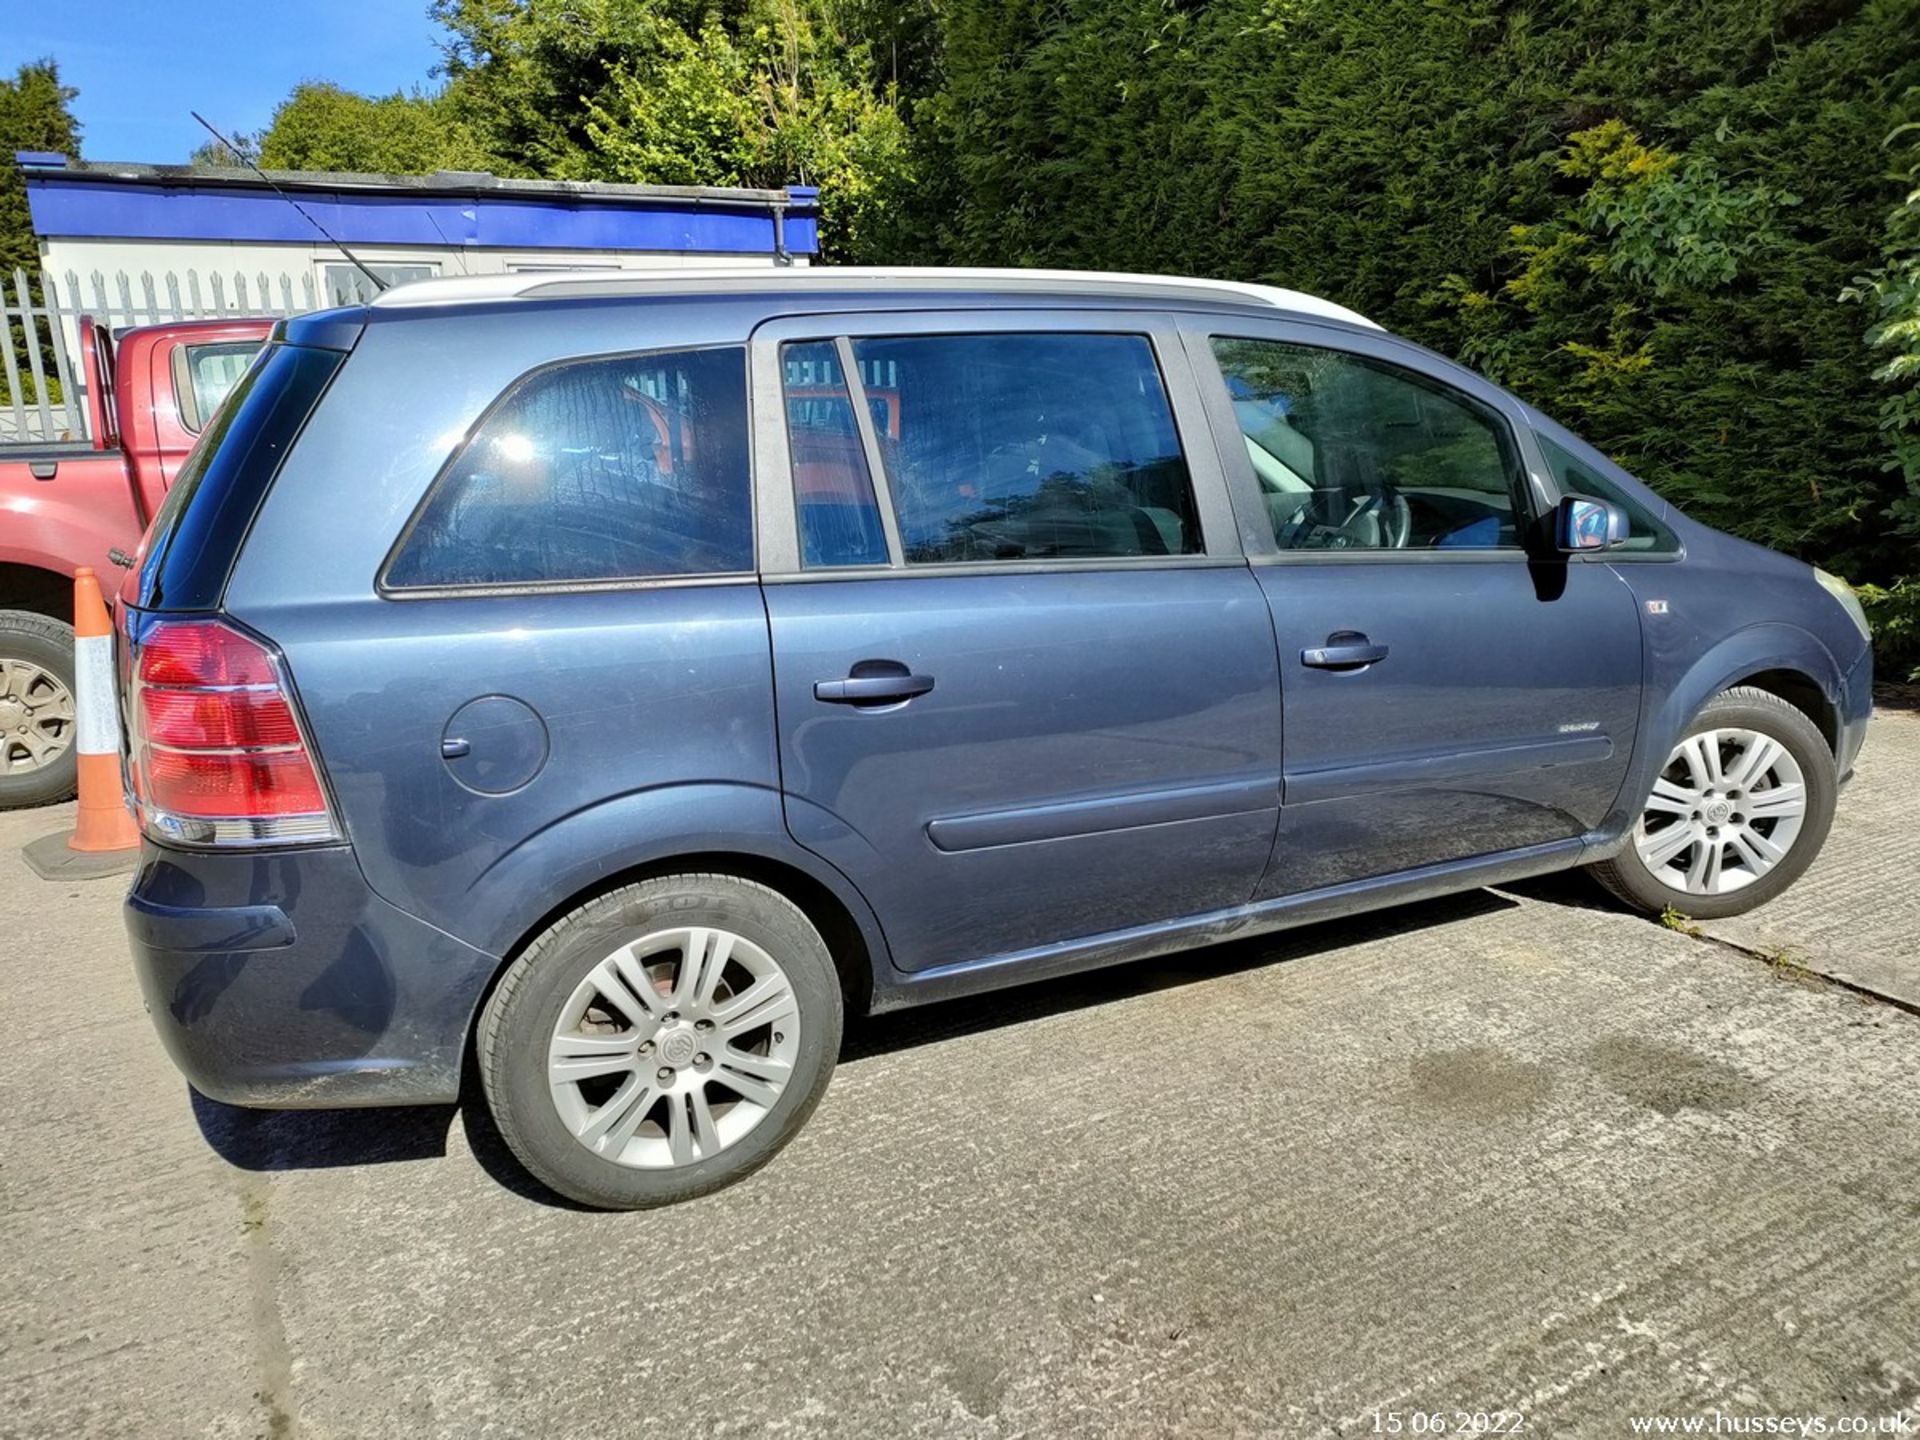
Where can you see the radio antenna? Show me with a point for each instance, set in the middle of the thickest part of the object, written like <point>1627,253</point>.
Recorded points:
<point>233,149</point>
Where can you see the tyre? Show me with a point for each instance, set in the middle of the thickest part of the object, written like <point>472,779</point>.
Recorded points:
<point>1738,813</point>
<point>661,1041</point>
<point>36,710</point>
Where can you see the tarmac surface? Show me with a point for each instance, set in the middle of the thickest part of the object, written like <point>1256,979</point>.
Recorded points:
<point>1511,1151</point>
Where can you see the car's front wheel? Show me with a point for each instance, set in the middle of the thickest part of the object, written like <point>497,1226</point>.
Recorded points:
<point>1737,814</point>
<point>661,1041</point>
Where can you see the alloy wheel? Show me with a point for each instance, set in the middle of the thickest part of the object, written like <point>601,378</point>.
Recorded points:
<point>1726,810</point>
<point>673,1047</point>
<point>36,717</point>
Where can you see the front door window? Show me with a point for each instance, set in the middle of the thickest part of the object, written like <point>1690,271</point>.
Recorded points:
<point>1354,454</point>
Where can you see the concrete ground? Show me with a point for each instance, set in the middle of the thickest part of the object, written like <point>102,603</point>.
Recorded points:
<point>1509,1151</point>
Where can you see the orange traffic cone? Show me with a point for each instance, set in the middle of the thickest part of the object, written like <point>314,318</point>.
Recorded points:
<point>105,840</point>
<point>102,822</point>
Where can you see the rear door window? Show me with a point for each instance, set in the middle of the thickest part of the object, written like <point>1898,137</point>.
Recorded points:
<point>1012,447</point>
<point>625,468</point>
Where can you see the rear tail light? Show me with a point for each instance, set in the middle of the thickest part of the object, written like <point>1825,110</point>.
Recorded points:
<point>218,754</point>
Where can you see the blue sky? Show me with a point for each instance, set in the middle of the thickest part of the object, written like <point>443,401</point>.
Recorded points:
<point>140,65</point>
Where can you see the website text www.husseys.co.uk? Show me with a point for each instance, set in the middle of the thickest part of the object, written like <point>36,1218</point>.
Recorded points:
<point>1721,1422</point>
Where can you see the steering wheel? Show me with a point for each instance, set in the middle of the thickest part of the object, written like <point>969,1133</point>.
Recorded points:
<point>1390,516</point>
<point>1373,522</point>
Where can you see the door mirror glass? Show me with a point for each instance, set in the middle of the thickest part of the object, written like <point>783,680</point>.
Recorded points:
<point>1585,523</point>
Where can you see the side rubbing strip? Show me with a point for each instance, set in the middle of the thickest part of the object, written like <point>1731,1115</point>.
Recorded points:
<point>1106,812</point>
<point>1427,771</point>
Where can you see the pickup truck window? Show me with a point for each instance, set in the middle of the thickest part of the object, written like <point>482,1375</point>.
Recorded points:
<point>203,374</point>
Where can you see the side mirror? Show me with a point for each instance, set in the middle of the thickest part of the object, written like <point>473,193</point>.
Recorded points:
<point>1584,523</point>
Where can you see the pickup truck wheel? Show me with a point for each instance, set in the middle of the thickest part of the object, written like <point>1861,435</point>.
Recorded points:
<point>661,1041</point>
<point>36,710</point>
<point>1737,814</point>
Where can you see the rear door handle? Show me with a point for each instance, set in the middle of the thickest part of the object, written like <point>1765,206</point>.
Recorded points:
<point>1344,650</point>
<point>885,689</point>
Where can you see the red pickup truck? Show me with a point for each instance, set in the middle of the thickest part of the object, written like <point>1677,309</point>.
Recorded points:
<point>149,395</point>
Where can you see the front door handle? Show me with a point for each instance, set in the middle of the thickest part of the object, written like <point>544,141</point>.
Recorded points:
<point>1344,650</point>
<point>870,685</point>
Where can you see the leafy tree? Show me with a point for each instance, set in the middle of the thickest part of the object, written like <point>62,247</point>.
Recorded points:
<point>34,115</point>
<point>780,98</point>
<point>323,127</point>
<point>1640,214</point>
<point>752,92</point>
<point>220,155</point>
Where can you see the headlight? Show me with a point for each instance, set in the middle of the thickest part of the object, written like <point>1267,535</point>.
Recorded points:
<point>1843,592</point>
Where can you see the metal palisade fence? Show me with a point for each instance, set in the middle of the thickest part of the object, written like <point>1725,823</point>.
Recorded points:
<point>42,377</point>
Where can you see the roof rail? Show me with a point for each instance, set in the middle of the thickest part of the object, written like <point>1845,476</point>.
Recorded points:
<point>705,279</point>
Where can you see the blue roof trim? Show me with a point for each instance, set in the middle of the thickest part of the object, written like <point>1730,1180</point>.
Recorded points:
<point>89,208</point>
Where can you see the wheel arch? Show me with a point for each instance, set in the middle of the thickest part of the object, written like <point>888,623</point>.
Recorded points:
<point>826,897</point>
<point>829,912</point>
<point>1783,660</point>
<point>35,590</point>
<point>1800,690</point>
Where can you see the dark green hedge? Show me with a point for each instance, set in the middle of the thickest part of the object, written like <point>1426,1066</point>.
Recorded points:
<point>1639,214</point>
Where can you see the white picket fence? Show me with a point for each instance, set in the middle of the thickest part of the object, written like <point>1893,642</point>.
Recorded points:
<point>42,378</point>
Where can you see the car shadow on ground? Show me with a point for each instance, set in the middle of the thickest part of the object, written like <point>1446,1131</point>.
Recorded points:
<point>1570,889</point>
<point>282,1140</point>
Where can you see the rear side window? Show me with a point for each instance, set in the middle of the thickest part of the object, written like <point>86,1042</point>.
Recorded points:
<point>628,468</point>
<point>1574,477</point>
<point>1028,447</point>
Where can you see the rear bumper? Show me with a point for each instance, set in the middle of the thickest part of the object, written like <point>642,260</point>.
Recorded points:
<point>282,980</point>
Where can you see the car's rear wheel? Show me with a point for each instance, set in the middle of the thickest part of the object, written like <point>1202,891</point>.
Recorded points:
<point>661,1041</point>
<point>1737,814</point>
<point>36,710</point>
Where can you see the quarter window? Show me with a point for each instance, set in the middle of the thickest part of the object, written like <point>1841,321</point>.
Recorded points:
<point>1353,454</point>
<point>832,489</point>
<point>615,469</point>
<point>1575,477</point>
<point>1028,447</point>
